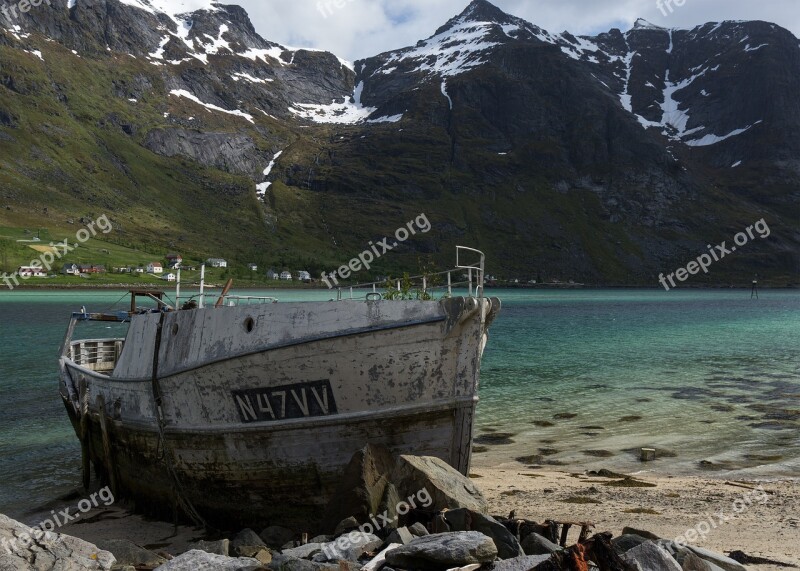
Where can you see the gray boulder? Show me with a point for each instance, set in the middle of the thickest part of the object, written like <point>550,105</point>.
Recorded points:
<point>650,556</point>
<point>448,488</point>
<point>418,530</point>
<point>347,524</point>
<point>362,486</point>
<point>465,520</point>
<point>717,559</point>
<point>691,562</point>
<point>286,563</point>
<point>221,547</point>
<point>640,533</point>
<point>197,560</point>
<point>128,553</point>
<point>624,543</point>
<point>304,551</point>
<point>276,536</point>
<point>444,550</point>
<point>348,547</point>
<point>535,544</point>
<point>525,563</point>
<point>20,544</point>
<point>389,504</point>
<point>246,538</point>
<point>401,535</point>
<point>259,552</point>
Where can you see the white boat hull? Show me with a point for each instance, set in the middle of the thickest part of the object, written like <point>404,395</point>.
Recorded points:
<point>262,407</point>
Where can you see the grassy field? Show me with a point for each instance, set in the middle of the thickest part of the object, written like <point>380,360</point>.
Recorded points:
<point>21,247</point>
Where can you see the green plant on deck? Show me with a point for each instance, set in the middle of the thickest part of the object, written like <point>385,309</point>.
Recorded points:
<point>406,291</point>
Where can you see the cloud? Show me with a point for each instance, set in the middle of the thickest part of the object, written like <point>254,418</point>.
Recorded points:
<point>355,29</point>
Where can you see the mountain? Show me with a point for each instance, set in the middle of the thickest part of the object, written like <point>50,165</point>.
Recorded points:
<point>606,159</point>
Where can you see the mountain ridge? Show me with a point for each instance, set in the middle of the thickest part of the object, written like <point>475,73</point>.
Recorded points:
<point>576,154</point>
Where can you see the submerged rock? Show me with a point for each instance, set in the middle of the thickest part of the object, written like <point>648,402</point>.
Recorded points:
<point>444,550</point>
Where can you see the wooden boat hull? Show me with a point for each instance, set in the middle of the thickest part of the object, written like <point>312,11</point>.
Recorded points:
<point>259,421</point>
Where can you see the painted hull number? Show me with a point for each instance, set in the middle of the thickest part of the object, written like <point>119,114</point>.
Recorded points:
<point>302,400</point>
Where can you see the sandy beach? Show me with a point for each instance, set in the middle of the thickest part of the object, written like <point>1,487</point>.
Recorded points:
<point>768,527</point>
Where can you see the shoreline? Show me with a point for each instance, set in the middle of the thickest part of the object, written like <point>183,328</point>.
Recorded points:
<point>559,287</point>
<point>669,506</point>
<point>759,521</point>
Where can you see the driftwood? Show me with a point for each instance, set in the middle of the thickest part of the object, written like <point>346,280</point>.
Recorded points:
<point>597,550</point>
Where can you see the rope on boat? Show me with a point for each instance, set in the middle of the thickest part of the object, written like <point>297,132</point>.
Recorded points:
<point>180,493</point>
<point>83,410</point>
<point>109,458</point>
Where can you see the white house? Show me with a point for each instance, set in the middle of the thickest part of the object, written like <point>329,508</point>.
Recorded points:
<point>170,277</point>
<point>303,276</point>
<point>70,270</point>
<point>272,274</point>
<point>252,267</point>
<point>217,263</point>
<point>174,261</point>
<point>155,268</point>
<point>286,276</point>
<point>29,272</point>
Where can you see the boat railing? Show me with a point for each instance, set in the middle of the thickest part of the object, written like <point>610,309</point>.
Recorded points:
<point>237,300</point>
<point>426,284</point>
<point>100,355</point>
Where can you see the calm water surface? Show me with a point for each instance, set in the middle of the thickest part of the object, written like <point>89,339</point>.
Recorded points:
<point>701,376</point>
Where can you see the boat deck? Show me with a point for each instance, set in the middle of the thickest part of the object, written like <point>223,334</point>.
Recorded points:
<point>99,355</point>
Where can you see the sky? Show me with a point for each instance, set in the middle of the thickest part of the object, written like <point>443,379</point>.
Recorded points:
<point>355,29</point>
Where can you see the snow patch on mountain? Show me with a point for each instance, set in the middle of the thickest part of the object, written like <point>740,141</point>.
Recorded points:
<point>262,188</point>
<point>241,76</point>
<point>171,8</point>
<point>210,107</point>
<point>349,112</point>
<point>449,53</point>
<point>714,139</point>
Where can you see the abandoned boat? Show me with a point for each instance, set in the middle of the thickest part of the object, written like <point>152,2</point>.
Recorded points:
<point>247,411</point>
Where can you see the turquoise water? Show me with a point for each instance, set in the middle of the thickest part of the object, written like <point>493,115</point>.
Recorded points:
<point>712,375</point>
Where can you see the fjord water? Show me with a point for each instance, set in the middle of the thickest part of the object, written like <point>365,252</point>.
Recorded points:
<point>712,375</point>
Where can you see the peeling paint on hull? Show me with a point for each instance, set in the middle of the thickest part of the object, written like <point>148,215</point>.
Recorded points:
<point>260,424</point>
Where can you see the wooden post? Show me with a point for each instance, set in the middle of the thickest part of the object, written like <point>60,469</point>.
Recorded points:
<point>648,454</point>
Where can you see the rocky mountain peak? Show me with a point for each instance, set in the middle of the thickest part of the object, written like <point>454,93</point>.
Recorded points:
<point>642,24</point>
<point>483,11</point>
